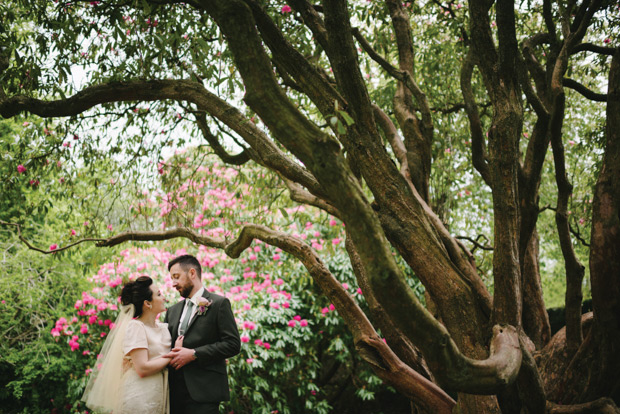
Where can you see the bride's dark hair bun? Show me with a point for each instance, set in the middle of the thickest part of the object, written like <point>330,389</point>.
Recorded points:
<point>136,292</point>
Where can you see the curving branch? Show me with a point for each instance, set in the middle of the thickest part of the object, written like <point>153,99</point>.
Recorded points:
<point>180,90</point>
<point>151,90</point>
<point>574,268</point>
<point>590,47</point>
<point>583,90</point>
<point>385,363</point>
<point>536,69</point>
<point>237,159</point>
<point>37,249</point>
<point>454,370</point>
<point>177,232</point>
<point>478,147</point>
<point>476,243</point>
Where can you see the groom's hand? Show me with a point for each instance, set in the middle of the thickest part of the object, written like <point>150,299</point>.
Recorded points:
<point>180,357</point>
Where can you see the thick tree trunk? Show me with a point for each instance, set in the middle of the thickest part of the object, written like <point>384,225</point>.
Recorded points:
<point>593,370</point>
<point>535,317</point>
<point>605,246</point>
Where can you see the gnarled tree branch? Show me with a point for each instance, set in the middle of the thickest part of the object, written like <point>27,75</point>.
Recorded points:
<point>583,90</point>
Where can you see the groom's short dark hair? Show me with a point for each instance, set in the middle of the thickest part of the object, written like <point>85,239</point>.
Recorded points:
<point>187,261</point>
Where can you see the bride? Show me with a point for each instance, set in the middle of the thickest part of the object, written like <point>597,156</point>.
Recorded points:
<point>132,376</point>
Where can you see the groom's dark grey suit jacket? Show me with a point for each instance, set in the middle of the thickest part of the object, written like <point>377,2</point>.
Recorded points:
<point>215,337</point>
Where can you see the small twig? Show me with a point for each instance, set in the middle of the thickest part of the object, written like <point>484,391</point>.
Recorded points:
<point>574,232</point>
<point>475,242</point>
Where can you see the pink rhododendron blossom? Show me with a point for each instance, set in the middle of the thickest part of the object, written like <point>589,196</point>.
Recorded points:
<point>84,329</point>
<point>25,124</point>
<point>266,345</point>
<point>86,223</point>
<point>303,322</point>
<point>292,323</point>
<point>249,360</point>
<point>324,311</point>
<point>110,227</point>
<point>53,247</point>
<point>331,307</point>
<point>333,222</point>
<point>258,342</point>
<point>72,232</point>
<point>245,338</point>
<point>336,241</point>
<point>297,317</point>
<point>286,8</point>
<point>249,325</point>
<point>21,169</point>
<point>359,291</point>
<point>274,305</point>
<point>276,257</point>
<point>345,285</point>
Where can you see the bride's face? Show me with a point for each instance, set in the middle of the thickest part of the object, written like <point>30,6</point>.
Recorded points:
<point>158,302</point>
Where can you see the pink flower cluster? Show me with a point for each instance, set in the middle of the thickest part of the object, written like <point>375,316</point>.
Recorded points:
<point>328,309</point>
<point>293,322</point>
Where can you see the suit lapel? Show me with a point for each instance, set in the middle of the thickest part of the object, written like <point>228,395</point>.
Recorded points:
<point>175,317</point>
<point>205,295</point>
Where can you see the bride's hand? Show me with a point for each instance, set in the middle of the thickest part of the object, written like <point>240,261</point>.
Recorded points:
<point>179,342</point>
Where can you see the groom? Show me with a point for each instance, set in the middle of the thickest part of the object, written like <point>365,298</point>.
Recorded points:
<point>198,379</point>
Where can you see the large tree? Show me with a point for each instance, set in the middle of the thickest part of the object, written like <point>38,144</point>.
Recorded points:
<point>348,102</point>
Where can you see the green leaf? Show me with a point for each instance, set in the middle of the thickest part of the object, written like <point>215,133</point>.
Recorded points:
<point>347,118</point>
<point>341,128</point>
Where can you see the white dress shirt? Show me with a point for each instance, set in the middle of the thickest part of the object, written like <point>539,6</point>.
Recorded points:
<point>193,299</point>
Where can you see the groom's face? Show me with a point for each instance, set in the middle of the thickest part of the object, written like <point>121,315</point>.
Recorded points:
<point>181,280</point>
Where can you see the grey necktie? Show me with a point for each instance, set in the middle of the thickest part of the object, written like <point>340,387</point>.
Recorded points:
<point>188,316</point>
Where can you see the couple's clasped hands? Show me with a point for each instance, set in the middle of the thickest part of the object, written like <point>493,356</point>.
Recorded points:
<point>179,356</point>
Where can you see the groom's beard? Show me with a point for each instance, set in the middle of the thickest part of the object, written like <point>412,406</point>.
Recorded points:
<point>185,290</point>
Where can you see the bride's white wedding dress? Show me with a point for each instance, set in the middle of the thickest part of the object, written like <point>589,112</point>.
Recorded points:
<point>148,395</point>
<point>115,387</point>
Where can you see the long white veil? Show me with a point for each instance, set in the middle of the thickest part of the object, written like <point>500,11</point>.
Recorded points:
<point>103,391</point>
